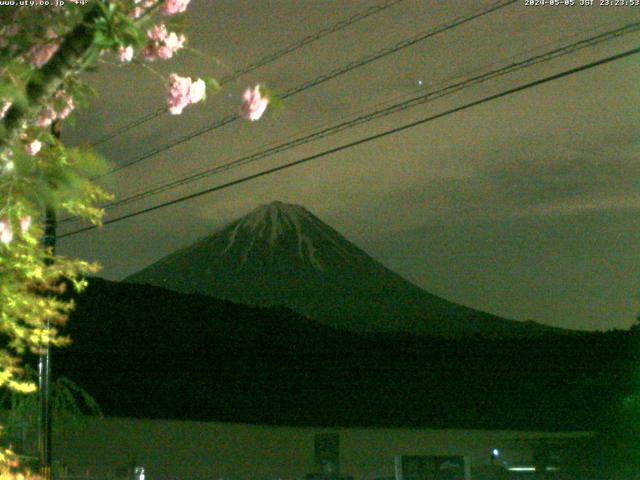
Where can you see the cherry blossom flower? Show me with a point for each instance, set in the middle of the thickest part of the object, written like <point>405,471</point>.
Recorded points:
<point>174,42</point>
<point>6,234</point>
<point>25,223</point>
<point>140,7</point>
<point>149,52</point>
<point>49,114</point>
<point>125,54</point>
<point>198,91</point>
<point>64,113</point>
<point>41,53</point>
<point>46,117</point>
<point>162,52</point>
<point>254,104</point>
<point>171,7</point>
<point>68,104</point>
<point>33,147</point>
<point>163,44</point>
<point>167,49</point>
<point>178,97</point>
<point>158,33</point>
<point>4,107</point>
<point>184,92</point>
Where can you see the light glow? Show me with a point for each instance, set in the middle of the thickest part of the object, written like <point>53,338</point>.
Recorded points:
<point>530,469</point>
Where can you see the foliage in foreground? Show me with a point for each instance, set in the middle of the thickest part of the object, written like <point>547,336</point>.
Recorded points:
<point>43,51</point>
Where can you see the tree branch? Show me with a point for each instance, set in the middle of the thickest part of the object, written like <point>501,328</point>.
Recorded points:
<point>75,48</point>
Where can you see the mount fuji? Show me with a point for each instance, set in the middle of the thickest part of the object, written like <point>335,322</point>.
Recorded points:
<point>282,254</point>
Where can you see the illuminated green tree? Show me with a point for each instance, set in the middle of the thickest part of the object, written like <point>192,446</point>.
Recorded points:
<point>71,405</point>
<point>43,51</point>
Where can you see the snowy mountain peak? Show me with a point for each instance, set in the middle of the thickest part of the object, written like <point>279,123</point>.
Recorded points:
<point>278,216</point>
<point>274,221</point>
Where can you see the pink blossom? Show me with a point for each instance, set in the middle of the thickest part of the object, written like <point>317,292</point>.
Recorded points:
<point>178,97</point>
<point>149,52</point>
<point>33,148</point>
<point>157,33</point>
<point>136,12</point>
<point>140,7</point>
<point>163,45</point>
<point>64,113</point>
<point>46,117</point>
<point>183,92</point>
<point>25,223</point>
<point>254,104</point>
<point>64,104</point>
<point>171,7</point>
<point>198,91</point>
<point>66,110</point>
<point>6,234</point>
<point>4,107</point>
<point>125,54</point>
<point>40,54</point>
<point>171,45</point>
<point>162,52</point>
<point>174,42</point>
<point>68,104</point>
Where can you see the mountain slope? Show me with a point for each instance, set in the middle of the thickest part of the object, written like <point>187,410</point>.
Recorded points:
<point>281,254</point>
<point>145,351</point>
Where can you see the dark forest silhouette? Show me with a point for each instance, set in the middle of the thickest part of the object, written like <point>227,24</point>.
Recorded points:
<point>145,351</point>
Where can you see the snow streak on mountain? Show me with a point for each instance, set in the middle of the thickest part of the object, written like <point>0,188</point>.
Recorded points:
<point>281,254</point>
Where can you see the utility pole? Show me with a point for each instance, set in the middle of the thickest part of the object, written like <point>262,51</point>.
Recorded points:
<point>44,363</point>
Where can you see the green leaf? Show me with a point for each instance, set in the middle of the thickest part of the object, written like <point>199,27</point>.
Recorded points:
<point>212,85</point>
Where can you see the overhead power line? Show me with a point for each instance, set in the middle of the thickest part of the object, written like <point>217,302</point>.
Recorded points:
<point>272,57</point>
<point>310,39</point>
<point>367,139</point>
<point>406,43</point>
<point>383,112</point>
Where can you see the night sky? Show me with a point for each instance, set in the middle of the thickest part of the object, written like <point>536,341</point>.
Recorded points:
<point>526,207</point>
